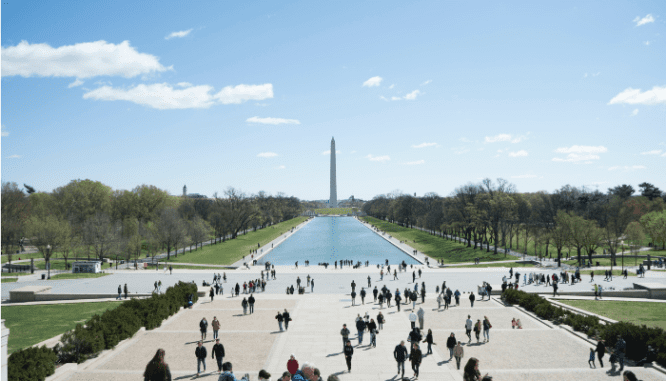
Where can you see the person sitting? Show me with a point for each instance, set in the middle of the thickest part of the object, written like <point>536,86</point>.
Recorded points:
<point>513,323</point>
<point>519,324</point>
<point>649,358</point>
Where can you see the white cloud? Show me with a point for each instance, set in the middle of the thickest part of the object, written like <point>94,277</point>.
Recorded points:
<point>498,138</point>
<point>635,112</point>
<point>163,96</point>
<point>582,149</point>
<point>82,60</point>
<point>267,154</point>
<point>635,96</point>
<point>392,86</point>
<point>653,152</point>
<point>645,20</point>
<point>4,132</point>
<point>465,140</point>
<point>242,93</point>
<point>626,167</point>
<point>506,138</point>
<point>183,84</point>
<point>180,34</point>
<point>518,153</point>
<point>337,151</point>
<point>460,151</point>
<point>275,121</point>
<point>378,158</point>
<point>524,177</point>
<point>417,162</point>
<point>14,157</point>
<point>353,152</point>
<point>663,154</point>
<point>281,167</point>
<point>372,82</point>
<point>646,43</point>
<point>424,145</point>
<point>76,83</point>
<point>396,98</point>
<point>411,96</point>
<point>580,153</point>
<point>426,82</point>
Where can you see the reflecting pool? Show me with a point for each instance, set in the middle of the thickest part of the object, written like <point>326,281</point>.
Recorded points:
<point>330,239</point>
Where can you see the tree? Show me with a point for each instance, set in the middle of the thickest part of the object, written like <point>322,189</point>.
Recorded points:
<point>650,191</point>
<point>15,213</point>
<point>47,234</point>
<point>623,191</point>
<point>614,221</point>
<point>199,230</point>
<point>170,230</point>
<point>635,235</point>
<point>240,210</point>
<point>102,235</point>
<point>654,224</point>
<point>560,234</point>
<point>81,200</point>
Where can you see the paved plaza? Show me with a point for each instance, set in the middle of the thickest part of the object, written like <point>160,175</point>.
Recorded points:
<point>254,342</point>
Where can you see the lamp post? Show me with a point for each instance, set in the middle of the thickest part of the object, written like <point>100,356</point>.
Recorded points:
<point>48,263</point>
<point>116,261</point>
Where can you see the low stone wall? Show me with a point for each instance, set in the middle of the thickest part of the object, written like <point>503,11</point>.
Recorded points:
<point>643,293</point>
<point>50,297</point>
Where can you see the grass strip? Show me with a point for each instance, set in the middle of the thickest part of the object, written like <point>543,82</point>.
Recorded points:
<point>230,251</point>
<point>434,246</point>
<point>30,325</point>
<point>9,280</point>
<point>648,313</point>
<point>77,275</point>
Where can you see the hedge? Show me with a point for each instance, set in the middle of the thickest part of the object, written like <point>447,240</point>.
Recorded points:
<point>636,337</point>
<point>100,332</point>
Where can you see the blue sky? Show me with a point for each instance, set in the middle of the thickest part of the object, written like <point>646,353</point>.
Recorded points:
<point>420,96</point>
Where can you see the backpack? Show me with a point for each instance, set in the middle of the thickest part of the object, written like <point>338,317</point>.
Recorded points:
<point>413,297</point>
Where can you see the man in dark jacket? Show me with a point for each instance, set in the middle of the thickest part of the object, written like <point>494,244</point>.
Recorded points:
<point>345,335</point>
<point>362,295</point>
<point>125,289</point>
<point>250,300</point>
<point>218,352</point>
<point>203,327</point>
<point>120,291</point>
<point>360,327</point>
<point>286,318</point>
<point>374,293</point>
<point>415,357</point>
<point>201,354</point>
<point>472,298</point>
<point>400,355</point>
<point>353,286</point>
<point>353,295</point>
<point>349,352</point>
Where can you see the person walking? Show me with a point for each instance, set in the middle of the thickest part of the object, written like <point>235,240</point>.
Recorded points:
<point>286,318</point>
<point>159,286</point>
<point>620,349</point>
<point>353,286</point>
<point>400,355</point>
<point>415,357</point>
<point>155,285</point>
<point>468,327</point>
<point>439,301</point>
<point>360,328</point>
<point>280,319</point>
<point>372,328</point>
<point>125,289</point>
<point>457,296</point>
<point>251,301</point>
<point>477,329</point>
<point>353,296</point>
<point>472,298</point>
<point>429,340</point>
<point>349,352</point>
<point>216,327</point>
<point>201,353</point>
<point>292,365</point>
<point>375,292</point>
<point>486,329</point>
<point>369,286</point>
<point>311,285</point>
<point>451,344</point>
<point>380,320</point>
<point>412,319</point>
<point>157,369</point>
<point>203,327</point>
<point>398,299</point>
<point>211,294</point>
<point>244,305</point>
<point>362,295</point>
<point>344,332</point>
<point>218,354</point>
<point>421,315</point>
<point>601,351</point>
<point>591,359</point>
<point>120,292</point>
<point>458,353</point>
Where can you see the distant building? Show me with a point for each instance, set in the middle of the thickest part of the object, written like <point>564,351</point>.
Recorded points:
<point>87,267</point>
<point>196,195</point>
<point>184,190</point>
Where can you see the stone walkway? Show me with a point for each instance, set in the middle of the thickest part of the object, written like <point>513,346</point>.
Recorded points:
<point>253,342</point>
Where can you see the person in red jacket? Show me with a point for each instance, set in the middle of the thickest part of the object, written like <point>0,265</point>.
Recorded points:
<point>292,365</point>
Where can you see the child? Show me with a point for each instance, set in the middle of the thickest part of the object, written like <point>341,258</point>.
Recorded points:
<point>591,360</point>
<point>513,323</point>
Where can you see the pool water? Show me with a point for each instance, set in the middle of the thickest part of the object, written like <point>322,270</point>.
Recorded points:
<point>330,239</point>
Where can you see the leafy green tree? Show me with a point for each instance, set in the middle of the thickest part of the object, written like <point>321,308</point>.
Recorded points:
<point>82,199</point>
<point>623,191</point>
<point>102,235</point>
<point>48,234</point>
<point>15,213</point>
<point>650,191</point>
<point>170,230</point>
<point>654,224</point>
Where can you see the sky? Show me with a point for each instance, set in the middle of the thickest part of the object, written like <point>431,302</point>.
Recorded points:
<point>421,97</point>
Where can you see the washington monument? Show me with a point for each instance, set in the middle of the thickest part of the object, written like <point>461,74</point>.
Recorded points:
<point>333,202</point>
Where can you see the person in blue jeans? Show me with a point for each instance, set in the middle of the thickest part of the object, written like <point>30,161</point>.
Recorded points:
<point>486,329</point>
<point>620,348</point>
<point>120,292</point>
<point>201,354</point>
<point>400,355</point>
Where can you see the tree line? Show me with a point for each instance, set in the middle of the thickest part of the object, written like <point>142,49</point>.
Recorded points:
<point>88,218</point>
<point>494,213</point>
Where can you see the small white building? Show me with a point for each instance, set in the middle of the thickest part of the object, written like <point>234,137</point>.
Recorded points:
<point>87,267</point>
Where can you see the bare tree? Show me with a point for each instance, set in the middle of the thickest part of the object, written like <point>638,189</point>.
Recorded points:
<point>169,228</point>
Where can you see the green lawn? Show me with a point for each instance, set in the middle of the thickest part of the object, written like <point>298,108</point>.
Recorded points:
<point>434,246</point>
<point>650,314</point>
<point>334,211</point>
<point>15,257</point>
<point>628,261</point>
<point>30,325</point>
<point>14,274</point>
<point>56,264</point>
<point>507,265</point>
<point>185,267</point>
<point>9,280</point>
<point>600,273</point>
<point>77,275</point>
<point>226,253</point>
